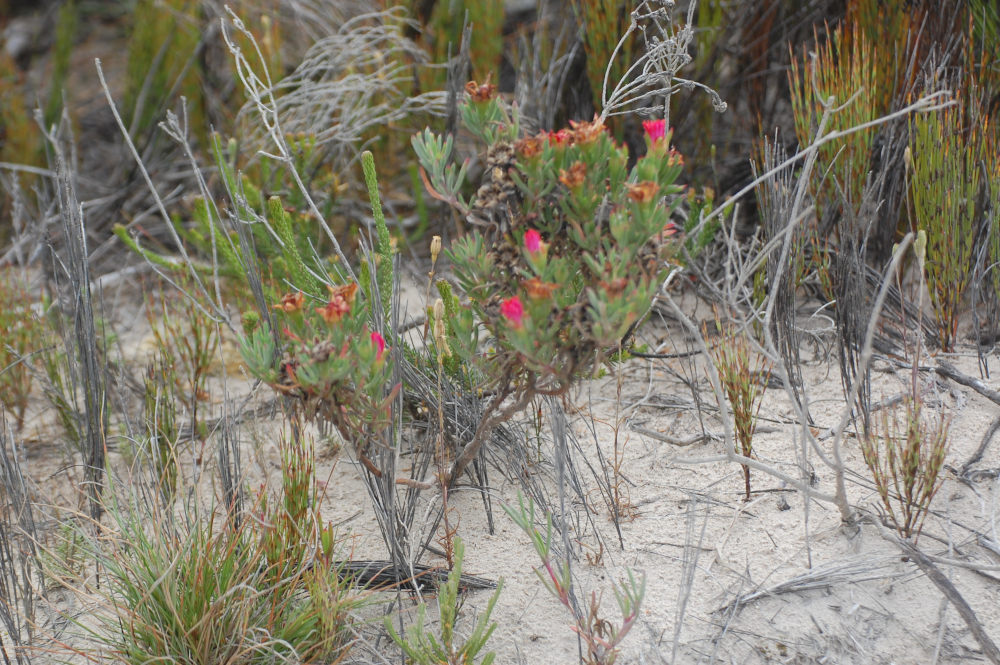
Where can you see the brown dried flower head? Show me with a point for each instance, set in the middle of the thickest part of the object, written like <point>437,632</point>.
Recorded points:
<point>587,132</point>
<point>529,146</point>
<point>341,299</point>
<point>644,192</point>
<point>481,93</point>
<point>291,302</point>
<point>536,289</point>
<point>575,176</point>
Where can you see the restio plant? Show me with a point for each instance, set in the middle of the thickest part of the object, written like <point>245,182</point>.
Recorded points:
<point>905,453</point>
<point>944,161</point>
<point>841,77</point>
<point>20,330</point>
<point>744,376</point>
<point>570,248</point>
<point>442,36</point>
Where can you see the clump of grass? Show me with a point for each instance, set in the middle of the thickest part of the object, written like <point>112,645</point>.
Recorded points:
<point>905,455</point>
<point>841,76</point>
<point>189,591</point>
<point>162,62</point>
<point>442,34</point>
<point>162,433</point>
<point>603,22</point>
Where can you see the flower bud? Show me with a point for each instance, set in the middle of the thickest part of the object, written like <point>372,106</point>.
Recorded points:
<point>435,249</point>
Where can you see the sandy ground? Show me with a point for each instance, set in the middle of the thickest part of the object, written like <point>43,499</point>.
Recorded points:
<point>772,580</point>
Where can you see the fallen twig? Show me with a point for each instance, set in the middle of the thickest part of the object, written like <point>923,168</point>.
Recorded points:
<point>978,455</point>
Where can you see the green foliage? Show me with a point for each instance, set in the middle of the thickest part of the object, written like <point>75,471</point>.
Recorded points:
<point>422,647</point>
<point>66,23</point>
<point>602,23</point>
<point>281,228</point>
<point>187,340</point>
<point>160,420</point>
<point>442,36</point>
<point>384,245</point>
<point>462,331</point>
<point>843,73</point>
<point>162,62</point>
<point>434,153</point>
<point>61,393</point>
<point>945,155</point>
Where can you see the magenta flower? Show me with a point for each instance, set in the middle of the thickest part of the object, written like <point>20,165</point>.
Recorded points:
<point>655,129</point>
<point>513,311</point>
<point>379,343</point>
<point>532,241</point>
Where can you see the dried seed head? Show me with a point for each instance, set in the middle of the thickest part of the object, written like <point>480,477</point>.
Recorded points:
<point>575,176</point>
<point>908,160</point>
<point>435,249</point>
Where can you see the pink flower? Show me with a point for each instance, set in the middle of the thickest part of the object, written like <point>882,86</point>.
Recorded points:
<point>513,311</point>
<point>532,241</point>
<point>562,137</point>
<point>379,343</point>
<point>655,129</point>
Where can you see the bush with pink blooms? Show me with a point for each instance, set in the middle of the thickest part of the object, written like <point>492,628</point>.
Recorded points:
<point>570,244</point>
<point>331,363</point>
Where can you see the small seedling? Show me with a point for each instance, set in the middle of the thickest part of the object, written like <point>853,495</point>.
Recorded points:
<point>424,648</point>
<point>601,638</point>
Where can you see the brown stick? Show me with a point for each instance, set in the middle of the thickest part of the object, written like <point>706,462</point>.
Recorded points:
<point>944,369</point>
<point>491,419</point>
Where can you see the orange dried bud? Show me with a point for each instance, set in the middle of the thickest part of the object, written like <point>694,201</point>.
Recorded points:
<point>291,302</point>
<point>615,287</point>
<point>341,299</point>
<point>529,146</point>
<point>587,132</point>
<point>539,290</point>
<point>481,93</point>
<point>644,192</point>
<point>575,176</point>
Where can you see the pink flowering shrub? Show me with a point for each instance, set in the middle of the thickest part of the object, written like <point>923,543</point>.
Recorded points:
<point>570,244</point>
<point>331,364</point>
